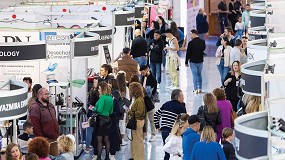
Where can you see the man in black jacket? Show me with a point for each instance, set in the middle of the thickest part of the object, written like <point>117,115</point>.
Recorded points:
<point>156,46</point>
<point>139,48</point>
<point>227,33</point>
<point>195,54</point>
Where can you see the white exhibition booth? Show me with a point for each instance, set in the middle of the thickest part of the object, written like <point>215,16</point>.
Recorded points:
<point>259,135</point>
<point>55,44</point>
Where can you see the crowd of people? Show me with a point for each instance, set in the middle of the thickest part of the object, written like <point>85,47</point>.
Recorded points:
<point>125,93</point>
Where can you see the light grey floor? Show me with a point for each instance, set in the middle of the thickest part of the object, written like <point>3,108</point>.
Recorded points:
<point>154,150</point>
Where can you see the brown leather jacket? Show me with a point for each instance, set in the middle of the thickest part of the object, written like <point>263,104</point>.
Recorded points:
<point>129,66</point>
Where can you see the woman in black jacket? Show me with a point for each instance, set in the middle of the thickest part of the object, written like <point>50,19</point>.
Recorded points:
<point>156,48</point>
<point>163,27</point>
<point>231,84</point>
<point>209,113</point>
<point>93,97</point>
<point>228,136</point>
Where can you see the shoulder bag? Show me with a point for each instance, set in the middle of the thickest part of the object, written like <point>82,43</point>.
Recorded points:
<point>132,123</point>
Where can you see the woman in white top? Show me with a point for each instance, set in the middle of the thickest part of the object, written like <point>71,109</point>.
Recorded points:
<point>173,143</point>
<point>223,58</point>
<point>239,28</point>
<point>173,59</point>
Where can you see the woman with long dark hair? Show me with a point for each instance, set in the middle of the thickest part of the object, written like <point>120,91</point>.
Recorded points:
<point>163,26</point>
<point>124,92</point>
<point>104,107</point>
<point>223,58</point>
<point>93,97</point>
<point>177,33</point>
<point>231,84</point>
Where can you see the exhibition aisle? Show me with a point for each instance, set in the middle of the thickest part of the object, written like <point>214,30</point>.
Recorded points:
<point>153,150</point>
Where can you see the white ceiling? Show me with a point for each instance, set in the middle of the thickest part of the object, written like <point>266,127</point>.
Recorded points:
<point>7,3</point>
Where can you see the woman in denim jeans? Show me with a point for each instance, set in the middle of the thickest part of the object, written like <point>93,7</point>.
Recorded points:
<point>93,98</point>
<point>223,58</point>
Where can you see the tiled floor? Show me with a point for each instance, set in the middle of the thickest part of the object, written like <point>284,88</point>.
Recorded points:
<point>154,151</point>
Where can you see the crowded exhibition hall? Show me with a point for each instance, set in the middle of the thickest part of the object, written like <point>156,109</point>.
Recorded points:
<point>142,80</point>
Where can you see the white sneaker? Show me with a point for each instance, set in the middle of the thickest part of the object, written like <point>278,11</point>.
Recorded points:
<point>162,68</point>
<point>158,86</point>
<point>112,157</point>
<point>94,157</point>
<point>124,143</point>
<point>152,138</point>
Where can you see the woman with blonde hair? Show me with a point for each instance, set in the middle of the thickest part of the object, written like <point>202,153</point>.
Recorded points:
<point>207,148</point>
<point>65,148</point>
<point>254,105</point>
<point>209,113</point>
<point>173,143</point>
<point>225,108</point>
<point>104,107</point>
<point>138,110</point>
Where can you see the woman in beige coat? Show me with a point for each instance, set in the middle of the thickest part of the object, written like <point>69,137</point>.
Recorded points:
<point>223,58</point>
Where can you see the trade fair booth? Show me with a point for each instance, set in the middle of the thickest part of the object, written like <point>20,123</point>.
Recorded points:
<point>261,135</point>
<point>54,44</point>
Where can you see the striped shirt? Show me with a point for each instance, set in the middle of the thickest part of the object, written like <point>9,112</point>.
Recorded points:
<point>165,117</point>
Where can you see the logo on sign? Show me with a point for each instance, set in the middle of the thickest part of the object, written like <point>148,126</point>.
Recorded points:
<point>16,39</point>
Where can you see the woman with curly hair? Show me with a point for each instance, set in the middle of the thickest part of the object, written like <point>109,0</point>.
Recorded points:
<point>65,148</point>
<point>40,147</point>
<point>13,152</point>
<point>138,110</point>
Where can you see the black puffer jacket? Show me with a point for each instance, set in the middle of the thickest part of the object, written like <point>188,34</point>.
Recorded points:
<point>209,119</point>
<point>156,51</point>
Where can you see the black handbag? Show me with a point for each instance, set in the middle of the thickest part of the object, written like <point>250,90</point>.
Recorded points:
<point>104,121</point>
<point>93,120</point>
<point>132,123</point>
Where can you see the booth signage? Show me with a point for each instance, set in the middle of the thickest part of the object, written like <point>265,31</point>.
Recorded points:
<point>22,52</point>
<point>251,83</point>
<point>105,36</point>
<point>139,11</point>
<point>124,19</point>
<point>257,21</point>
<point>86,48</point>
<point>246,145</point>
<point>10,36</point>
<point>13,103</point>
